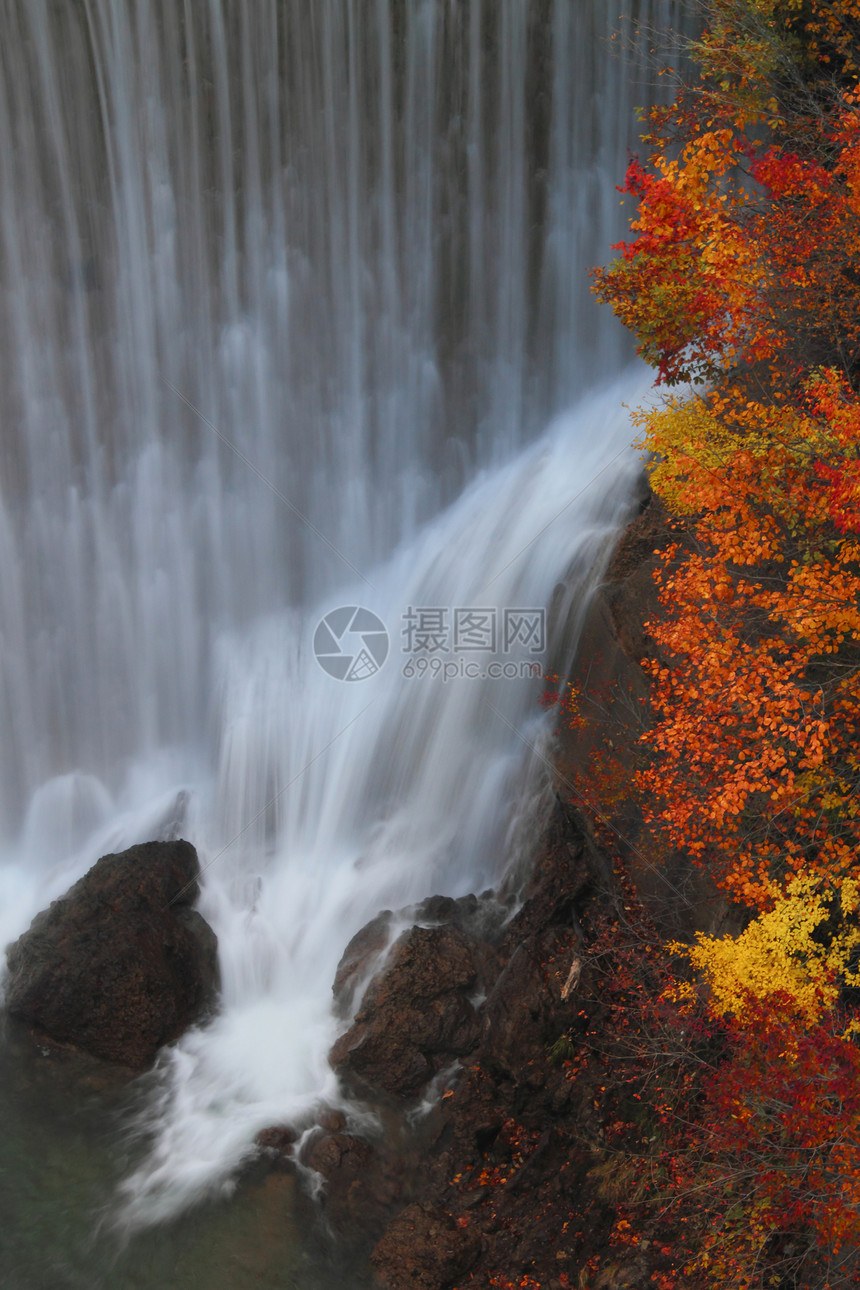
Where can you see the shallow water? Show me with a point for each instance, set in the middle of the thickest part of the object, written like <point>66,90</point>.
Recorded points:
<point>64,1149</point>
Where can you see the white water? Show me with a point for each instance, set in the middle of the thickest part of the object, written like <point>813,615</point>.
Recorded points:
<point>290,292</point>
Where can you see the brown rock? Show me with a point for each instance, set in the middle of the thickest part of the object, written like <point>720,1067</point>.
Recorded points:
<point>329,1153</point>
<point>561,880</point>
<point>364,1183</point>
<point>424,1249</point>
<point>120,965</point>
<point>383,1058</point>
<point>332,1121</point>
<point>425,963</point>
<point>415,1016</point>
<point>279,1138</point>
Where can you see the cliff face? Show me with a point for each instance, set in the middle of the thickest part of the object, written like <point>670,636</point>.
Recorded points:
<point>509,1154</point>
<point>599,749</point>
<point>514,1025</point>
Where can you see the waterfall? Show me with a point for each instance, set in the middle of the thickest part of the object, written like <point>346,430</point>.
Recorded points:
<point>294,318</point>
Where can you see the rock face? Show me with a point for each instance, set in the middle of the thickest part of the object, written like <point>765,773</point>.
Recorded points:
<point>609,676</point>
<point>364,1182</point>
<point>416,1016</point>
<point>526,1009</point>
<point>504,1165</point>
<point>121,964</point>
<point>424,1249</point>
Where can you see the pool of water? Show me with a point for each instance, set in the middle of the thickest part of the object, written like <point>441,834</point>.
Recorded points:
<point>62,1151</point>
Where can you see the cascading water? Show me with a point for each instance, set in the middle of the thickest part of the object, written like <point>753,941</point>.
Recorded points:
<point>291,290</point>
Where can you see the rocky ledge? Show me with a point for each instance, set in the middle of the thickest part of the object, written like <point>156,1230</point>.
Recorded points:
<point>121,964</point>
<point>465,1009</point>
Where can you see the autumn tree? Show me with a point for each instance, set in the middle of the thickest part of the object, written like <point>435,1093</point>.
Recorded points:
<point>748,209</point>
<point>756,703</point>
<point>741,283</point>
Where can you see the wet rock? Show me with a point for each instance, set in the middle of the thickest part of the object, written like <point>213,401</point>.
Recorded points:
<point>468,913</point>
<point>439,909</point>
<point>480,918</point>
<point>332,1121</point>
<point>280,1139</point>
<point>359,959</point>
<point>562,880</point>
<point>519,1109</point>
<point>416,1016</point>
<point>121,964</point>
<point>338,1155</point>
<point>424,1249</point>
<point>426,963</point>
<point>364,1183</point>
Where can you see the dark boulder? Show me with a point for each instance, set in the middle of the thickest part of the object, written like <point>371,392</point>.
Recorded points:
<point>121,964</point>
<point>416,1016</point>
